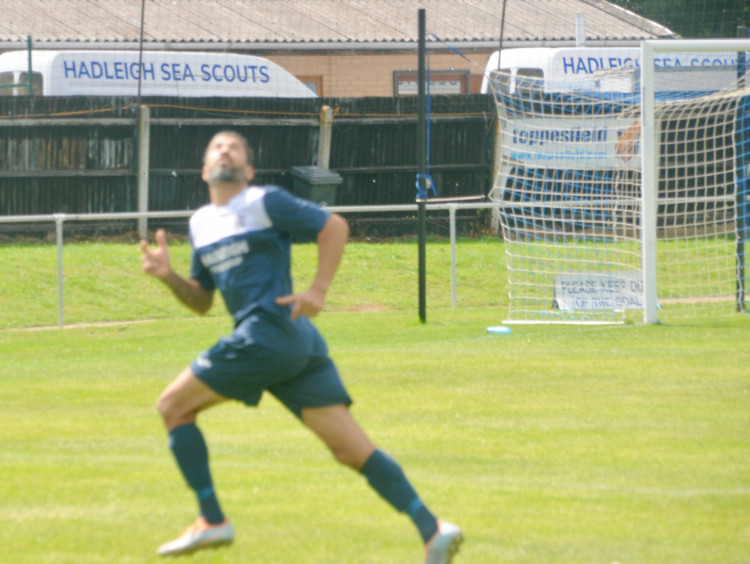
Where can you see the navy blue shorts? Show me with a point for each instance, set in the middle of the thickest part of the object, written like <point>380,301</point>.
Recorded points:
<point>243,372</point>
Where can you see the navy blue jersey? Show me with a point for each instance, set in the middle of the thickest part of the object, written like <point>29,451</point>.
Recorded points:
<point>243,250</point>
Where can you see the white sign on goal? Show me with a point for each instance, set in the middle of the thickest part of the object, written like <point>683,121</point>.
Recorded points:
<point>616,291</point>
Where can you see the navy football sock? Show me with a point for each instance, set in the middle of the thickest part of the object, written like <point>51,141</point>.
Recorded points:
<point>190,452</point>
<point>388,479</point>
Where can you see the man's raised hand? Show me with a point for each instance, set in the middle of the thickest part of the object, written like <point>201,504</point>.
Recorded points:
<point>155,261</point>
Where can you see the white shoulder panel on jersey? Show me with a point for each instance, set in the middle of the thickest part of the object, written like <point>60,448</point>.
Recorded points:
<point>244,213</point>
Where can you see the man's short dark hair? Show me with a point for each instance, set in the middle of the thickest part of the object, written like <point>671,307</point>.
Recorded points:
<point>243,140</point>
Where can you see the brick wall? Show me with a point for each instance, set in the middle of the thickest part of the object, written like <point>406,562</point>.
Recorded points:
<point>347,75</point>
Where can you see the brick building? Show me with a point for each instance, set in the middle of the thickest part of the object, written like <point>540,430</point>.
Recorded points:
<point>340,48</point>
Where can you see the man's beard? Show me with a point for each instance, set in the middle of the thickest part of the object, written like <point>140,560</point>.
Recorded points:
<point>226,174</point>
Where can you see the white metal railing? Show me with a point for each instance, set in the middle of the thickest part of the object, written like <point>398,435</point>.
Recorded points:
<point>60,218</point>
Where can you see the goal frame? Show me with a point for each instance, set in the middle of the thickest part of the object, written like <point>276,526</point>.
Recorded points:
<point>649,153</point>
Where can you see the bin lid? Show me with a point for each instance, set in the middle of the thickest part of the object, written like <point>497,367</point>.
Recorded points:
<point>317,175</point>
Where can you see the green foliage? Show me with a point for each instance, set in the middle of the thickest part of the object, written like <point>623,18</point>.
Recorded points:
<point>694,18</point>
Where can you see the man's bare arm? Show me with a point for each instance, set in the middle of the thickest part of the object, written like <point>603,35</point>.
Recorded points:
<point>156,263</point>
<point>189,292</point>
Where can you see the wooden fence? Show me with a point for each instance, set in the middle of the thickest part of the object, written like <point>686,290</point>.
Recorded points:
<point>80,155</point>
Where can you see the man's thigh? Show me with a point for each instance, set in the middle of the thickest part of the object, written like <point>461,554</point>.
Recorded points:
<point>317,385</point>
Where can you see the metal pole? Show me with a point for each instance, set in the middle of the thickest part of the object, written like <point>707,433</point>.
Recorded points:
<point>452,216</point>
<point>143,143</point>
<point>422,169</point>
<point>140,50</point>
<point>740,206</point>
<point>59,218</point>
<point>30,76</point>
<point>502,32</point>
<point>497,163</point>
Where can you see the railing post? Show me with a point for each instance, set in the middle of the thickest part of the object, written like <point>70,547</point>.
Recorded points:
<point>144,134</point>
<point>452,219</point>
<point>59,219</point>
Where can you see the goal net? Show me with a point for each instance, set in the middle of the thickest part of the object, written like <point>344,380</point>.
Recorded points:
<point>615,204</point>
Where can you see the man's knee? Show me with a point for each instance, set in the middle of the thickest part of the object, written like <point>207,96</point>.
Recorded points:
<point>168,409</point>
<point>184,398</point>
<point>174,404</point>
<point>164,405</point>
<point>347,457</point>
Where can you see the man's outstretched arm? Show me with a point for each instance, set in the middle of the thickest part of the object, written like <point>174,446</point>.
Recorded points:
<point>156,263</point>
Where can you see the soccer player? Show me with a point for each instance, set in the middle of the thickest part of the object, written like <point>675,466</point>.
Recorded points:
<point>241,246</point>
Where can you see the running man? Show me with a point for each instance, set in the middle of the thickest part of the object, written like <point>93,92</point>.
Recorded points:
<point>241,246</point>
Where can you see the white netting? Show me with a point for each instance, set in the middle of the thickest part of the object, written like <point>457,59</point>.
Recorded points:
<point>570,175</point>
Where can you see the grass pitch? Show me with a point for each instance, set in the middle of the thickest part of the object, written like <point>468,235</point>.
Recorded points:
<point>551,444</point>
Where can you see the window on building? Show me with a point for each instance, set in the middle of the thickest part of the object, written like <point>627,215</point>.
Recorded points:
<point>529,81</point>
<point>6,80</point>
<point>501,81</point>
<point>22,89</point>
<point>314,83</point>
<point>441,82</point>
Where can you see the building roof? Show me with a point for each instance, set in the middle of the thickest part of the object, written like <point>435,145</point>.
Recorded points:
<point>314,24</point>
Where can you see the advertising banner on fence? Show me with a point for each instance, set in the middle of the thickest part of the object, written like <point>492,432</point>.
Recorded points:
<point>576,143</point>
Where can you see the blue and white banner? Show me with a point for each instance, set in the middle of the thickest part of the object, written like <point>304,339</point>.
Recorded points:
<point>156,73</point>
<point>582,143</point>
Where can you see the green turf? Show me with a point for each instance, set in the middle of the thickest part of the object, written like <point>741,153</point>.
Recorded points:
<point>103,281</point>
<point>551,444</point>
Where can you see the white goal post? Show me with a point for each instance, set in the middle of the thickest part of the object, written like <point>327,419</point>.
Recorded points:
<point>650,145</point>
<point>624,179</point>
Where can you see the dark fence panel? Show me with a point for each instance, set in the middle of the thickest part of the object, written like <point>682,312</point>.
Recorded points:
<point>79,155</point>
